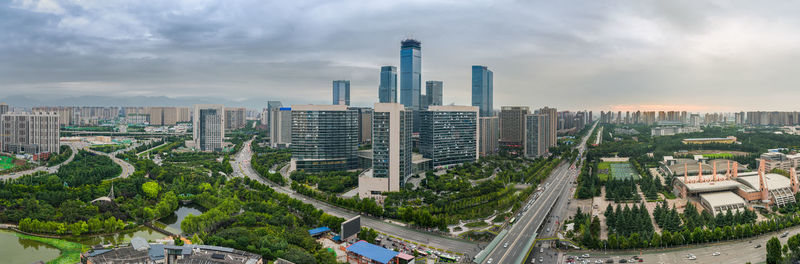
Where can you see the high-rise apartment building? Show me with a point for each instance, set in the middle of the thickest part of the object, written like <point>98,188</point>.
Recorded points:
<point>208,127</point>
<point>482,89</point>
<point>235,118</point>
<point>433,92</point>
<point>410,73</point>
<point>550,125</point>
<point>34,133</point>
<point>184,114</point>
<point>387,88</point>
<point>66,114</point>
<point>512,124</point>
<point>341,92</point>
<point>3,108</point>
<point>364,124</point>
<point>324,138</point>
<point>391,150</point>
<point>535,135</point>
<point>449,135</point>
<point>280,136</point>
<point>271,106</point>
<point>490,135</point>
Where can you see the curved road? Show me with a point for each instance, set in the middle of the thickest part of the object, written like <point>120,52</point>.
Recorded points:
<point>242,167</point>
<point>52,169</point>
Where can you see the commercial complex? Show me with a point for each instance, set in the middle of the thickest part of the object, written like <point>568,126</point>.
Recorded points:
<point>482,89</point>
<point>341,92</point>
<point>512,125</point>
<point>391,151</point>
<point>433,92</point>
<point>387,88</point>
<point>35,133</point>
<point>208,127</point>
<point>140,251</point>
<point>280,136</point>
<point>534,142</point>
<point>449,135</point>
<point>324,138</point>
<point>235,118</point>
<point>777,160</point>
<point>410,73</point>
<point>490,135</point>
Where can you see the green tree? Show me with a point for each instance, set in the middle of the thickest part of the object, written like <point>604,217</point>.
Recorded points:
<point>773,251</point>
<point>151,189</point>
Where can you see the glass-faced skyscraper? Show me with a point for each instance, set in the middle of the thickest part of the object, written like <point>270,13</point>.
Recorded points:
<point>387,89</point>
<point>341,92</point>
<point>410,73</point>
<point>433,92</point>
<point>482,89</point>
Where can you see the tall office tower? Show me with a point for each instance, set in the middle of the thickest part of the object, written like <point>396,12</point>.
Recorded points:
<point>423,101</point>
<point>280,136</point>
<point>235,118</point>
<point>391,150</point>
<point>272,106</point>
<point>324,138</point>
<point>449,134</point>
<point>591,118</point>
<point>34,133</point>
<point>208,126</point>
<point>482,89</point>
<point>410,73</point>
<point>364,124</point>
<point>387,89</point>
<point>490,134</point>
<point>512,124</point>
<point>535,143</point>
<point>550,136</point>
<point>341,92</point>
<point>433,91</point>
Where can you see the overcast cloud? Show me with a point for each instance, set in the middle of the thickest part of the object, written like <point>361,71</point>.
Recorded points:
<point>692,55</point>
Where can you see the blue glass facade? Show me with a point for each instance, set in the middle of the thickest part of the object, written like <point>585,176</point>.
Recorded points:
<point>341,92</point>
<point>387,89</point>
<point>410,73</point>
<point>482,90</point>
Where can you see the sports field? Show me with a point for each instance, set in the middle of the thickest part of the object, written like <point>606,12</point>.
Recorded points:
<point>615,170</point>
<point>6,162</point>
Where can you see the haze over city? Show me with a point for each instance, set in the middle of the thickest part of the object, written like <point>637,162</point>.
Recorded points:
<point>650,55</point>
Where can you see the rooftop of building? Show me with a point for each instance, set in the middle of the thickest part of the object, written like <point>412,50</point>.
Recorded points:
<point>319,108</point>
<point>774,181</point>
<point>373,252</point>
<point>717,199</point>
<point>411,43</point>
<point>707,139</point>
<point>138,252</point>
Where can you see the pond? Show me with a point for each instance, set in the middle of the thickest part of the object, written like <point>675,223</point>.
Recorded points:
<point>124,237</point>
<point>173,221</point>
<point>15,250</point>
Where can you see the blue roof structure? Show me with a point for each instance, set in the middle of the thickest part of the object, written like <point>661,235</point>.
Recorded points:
<point>372,252</point>
<point>156,252</point>
<point>318,230</point>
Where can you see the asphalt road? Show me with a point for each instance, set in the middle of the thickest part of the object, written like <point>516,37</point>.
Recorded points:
<point>242,167</point>
<point>52,169</point>
<point>559,188</point>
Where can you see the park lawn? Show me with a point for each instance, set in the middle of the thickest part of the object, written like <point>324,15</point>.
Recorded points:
<point>70,251</point>
<point>603,166</point>
<point>6,162</point>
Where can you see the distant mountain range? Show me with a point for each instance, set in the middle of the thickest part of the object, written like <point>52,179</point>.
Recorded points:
<point>90,100</point>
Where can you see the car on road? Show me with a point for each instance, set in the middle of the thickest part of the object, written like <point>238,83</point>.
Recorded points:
<point>505,245</point>
<point>692,257</point>
<point>609,261</point>
<point>599,261</point>
<point>715,254</point>
<point>541,259</point>
<point>490,261</point>
<point>758,246</point>
<point>585,255</point>
<point>623,261</point>
<point>785,234</point>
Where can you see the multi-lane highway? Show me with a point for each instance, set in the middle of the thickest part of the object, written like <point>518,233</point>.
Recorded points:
<point>242,167</point>
<point>514,246</point>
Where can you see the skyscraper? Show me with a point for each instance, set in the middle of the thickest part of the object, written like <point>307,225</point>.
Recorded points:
<point>341,92</point>
<point>449,135</point>
<point>235,118</point>
<point>550,125</point>
<point>512,125</point>
<point>280,135</point>
<point>324,138</point>
<point>433,92</point>
<point>208,127</point>
<point>391,150</point>
<point>535,145</point>
<point>489,132</point>
<point>271,106</point>
<point>410,73</point>
<point>387,89</point>
<point>482,89</point>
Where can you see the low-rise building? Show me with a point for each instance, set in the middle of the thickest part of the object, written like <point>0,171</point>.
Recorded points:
<point>725,140</point>
<point>139,251</point>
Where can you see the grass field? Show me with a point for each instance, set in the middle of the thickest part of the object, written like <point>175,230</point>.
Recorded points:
<point>616,170</point>
<point>6,162</point>
<point>70,251</point>
<point>718,156</point>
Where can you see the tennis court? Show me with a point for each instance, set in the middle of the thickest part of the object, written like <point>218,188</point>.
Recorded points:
<point>623,170</point>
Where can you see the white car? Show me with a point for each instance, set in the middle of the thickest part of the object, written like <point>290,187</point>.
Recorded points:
<point>715,254</point>
<point>692,257</point>
<point>490,261</point>
<point>505,245</point>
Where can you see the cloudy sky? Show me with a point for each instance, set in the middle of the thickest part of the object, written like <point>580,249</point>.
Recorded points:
<point>688,55</point>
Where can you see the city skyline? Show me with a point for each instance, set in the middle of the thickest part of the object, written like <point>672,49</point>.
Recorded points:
<point>653,54</point>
